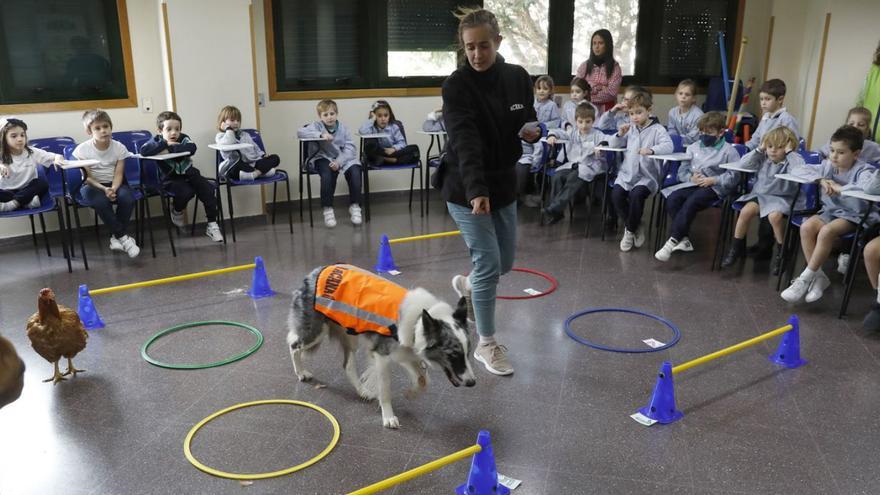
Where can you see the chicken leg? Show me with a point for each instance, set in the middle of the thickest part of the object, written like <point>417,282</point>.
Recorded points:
<point>57,377</point>
<point>71,369</point>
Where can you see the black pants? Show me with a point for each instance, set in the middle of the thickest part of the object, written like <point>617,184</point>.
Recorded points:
<point>36,187</point>
<point>683,206</point>
<point>630,204</point>
<point>191,183</point>
<point>566,186</point>
<point>525,178</point>
<point>263,165</point>
<point>375,153</point>
<point>354,177</point>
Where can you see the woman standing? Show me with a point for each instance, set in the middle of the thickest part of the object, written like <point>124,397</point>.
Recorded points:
<point>601,70</point>
<point>486,104</point>
<point>870,95</point>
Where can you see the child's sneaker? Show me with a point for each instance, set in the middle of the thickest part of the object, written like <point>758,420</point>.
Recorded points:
<point>269,173</point>
<point>213,231</point>
<point>129,246</point>
<point>684,245</point>
<point>35,203</point>
<point>177,218</point>
<point>355,212</point>
<point>329,218</point>
<point>115,244</point>
<point>493,358</point>
<point>843,263</point>
<point>666,251</point>
<point>8,205</point>
<point>626,243</point>
<point>246,176</point>
<point>462,286</point>
<point>639,239</point>
<point>797,290</point>
<point>817,288</point>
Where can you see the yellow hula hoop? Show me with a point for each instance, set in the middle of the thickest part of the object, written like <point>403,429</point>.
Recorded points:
<point>187,451</point>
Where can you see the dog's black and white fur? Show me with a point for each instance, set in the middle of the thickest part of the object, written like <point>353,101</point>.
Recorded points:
<point>428,331</point>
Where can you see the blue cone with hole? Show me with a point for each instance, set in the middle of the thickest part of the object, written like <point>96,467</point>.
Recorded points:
<point>385,262</point>
<point>260,285</point>
<point>662,406</point>
<point>483,478</point>
<point>788,353</point>
<point>87,311</point>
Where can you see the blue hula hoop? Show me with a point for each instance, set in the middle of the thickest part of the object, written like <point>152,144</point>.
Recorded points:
<point>675,331</point>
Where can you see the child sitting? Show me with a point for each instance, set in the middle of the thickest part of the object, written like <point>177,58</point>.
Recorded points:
<point>583,165</point>
<point>434,121</point>
<point>619,113</point>
<point>532,155</point>
<point>683,118</point>
<point>839,215</point>
<point>390,150</point>
<point>703,169</point>
<point>247,163</point>
<point>178,175</point>
<point>336,153</point>
<point>20,187</point>
<point>772,97</point>
<point>638,176</point>
<point>860,118</point>
<point>105,182</point>
<point>770,197</point>
<point>580,90</point>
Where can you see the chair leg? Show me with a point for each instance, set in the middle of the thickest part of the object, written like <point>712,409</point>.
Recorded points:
<point>231,210</point>
<point>147,225</point>
<point>412,176</point>
<point>274,200</point>
<point>427,189</point>
<point>848,279</point>
<point>97,230</point>
<point>63,232</point>
<point>221,219</point>
<point>82,244</point>
<point>421,193</point>
<point>289,206</point>
<point>166,215</point>
<point>309,187</point>
<point>192,225</point>
<point>786,253</point>
<point>301,194</point>
<point>45,235</point>
<point>366,193</point>
<point>33,230</point>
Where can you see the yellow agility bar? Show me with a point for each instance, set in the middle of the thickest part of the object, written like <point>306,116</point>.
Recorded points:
<point>168,280</point>
<point>729,350</point>
<point>418,471</point>
<point>424,237</point>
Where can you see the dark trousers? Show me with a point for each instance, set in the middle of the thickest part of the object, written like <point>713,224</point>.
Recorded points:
<point>189,184</point>
<point>630,204</point>
<point>354,177</point>
<point>566,186</point>
<point>683,206</point>
<point>405,156</point>
<point>36,187</point>
<point>117,221</point>
<point>263,165</point>
<point>524,178</point>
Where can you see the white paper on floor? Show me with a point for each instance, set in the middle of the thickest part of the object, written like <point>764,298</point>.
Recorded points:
<point>532,292</point>
<point>508,481</point>
<point>393,272</point>
<point>653,343</point>
<point>642,419</point>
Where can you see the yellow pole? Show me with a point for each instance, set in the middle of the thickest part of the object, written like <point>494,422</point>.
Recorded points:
<point>423,237</point>
<point>729,350</point>
<point>178,278</point>
<point>419,471</point>
<point>739,60</point>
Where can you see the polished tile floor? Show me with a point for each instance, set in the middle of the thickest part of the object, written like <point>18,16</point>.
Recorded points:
<point>560,423</point>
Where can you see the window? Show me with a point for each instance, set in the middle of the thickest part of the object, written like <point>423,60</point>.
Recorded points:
<point>57,52</point>
<point>618,16</point>
<point>422,38</point>
<point>524,25</point>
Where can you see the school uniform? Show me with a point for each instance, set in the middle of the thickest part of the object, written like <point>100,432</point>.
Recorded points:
<point>612,119</point>
<point>772,194</point>
<point>434,123</point>
<point>568,111</point>
<point>870,151</point>
<point>245,160</point>
<point>582,165</point>
<point>769,122</point>
<point>374,149</point>
<point>341,150</point>
<point>638,176</point>
<point>548,114</point>
<point>180,177</point>
<point>684,124</point>
<point>848,208</point>
<point>23,183</point>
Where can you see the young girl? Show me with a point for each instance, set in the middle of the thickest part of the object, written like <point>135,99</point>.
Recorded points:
<point>839,215</point>
<point>580,92</point>
<point>548,114</point>
<point>860,118</point>
<point>245,164</point>
<point>683,118</point>
<point>770,197</point>
<point>19,185</point>
<point>392,149</point>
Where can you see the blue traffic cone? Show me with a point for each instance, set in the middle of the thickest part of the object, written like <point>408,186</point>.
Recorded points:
<point>662,406</point>
<point>87,311</point>
<point>788,353</point>
<point>385,262</point>
<point>483,478</point>
<point>260,283</point>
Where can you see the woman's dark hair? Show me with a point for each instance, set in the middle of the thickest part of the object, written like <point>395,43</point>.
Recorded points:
<point>607,58</point>
<point>5,126</point>
<point>387,106</point>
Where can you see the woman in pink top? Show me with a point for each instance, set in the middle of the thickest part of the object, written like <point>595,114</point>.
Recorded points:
<point>601,70</point>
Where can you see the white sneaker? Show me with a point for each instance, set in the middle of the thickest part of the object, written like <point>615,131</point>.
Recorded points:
<point>8,205</point>
<point>129,246</point>
<point>329,218</point>
<point>462,286</point>
<point>213,231</point>
<point>626,243</point>
<point>177,218</point>
<point>817,288</point>
<point>796,291</point>
<point>269,173</point>
<point>35,203</point>
<point>246,176</point>
<point>493,358</point>
<point>684,245</point>
<point>639,240</point>
<point>355,212</point>
<point>666,251</point>
<point>115,244</point>
<point>842,263</point>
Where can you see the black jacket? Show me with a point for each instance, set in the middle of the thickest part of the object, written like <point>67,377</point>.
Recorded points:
<point>483,113</point>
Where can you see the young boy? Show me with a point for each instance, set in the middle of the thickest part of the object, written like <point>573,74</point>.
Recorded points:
<point>530,162</point>
<point>583,163</point>
<point>774,114</point>
<point>683,118</point>
<point>839,215</point>
<point>638,176</point>
<point>703,169</point>
<point>105,182</point>
<point>179,176</point>
<point>619,114</point>
<point>860,118</point>
<point>336,153</point>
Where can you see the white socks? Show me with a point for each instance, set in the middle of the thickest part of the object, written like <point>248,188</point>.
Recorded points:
<point>487,340</point>
<point>808,274</point>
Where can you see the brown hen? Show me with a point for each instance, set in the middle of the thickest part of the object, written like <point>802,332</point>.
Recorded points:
<point>56,332</point>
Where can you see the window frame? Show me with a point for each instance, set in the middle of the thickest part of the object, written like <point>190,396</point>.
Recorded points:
<point>130,87</point>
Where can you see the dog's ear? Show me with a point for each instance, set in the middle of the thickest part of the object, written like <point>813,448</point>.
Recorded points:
<point>460,314</point>
<point>431,327</point>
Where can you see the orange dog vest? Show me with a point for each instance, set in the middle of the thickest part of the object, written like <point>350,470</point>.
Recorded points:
<point>359,300</point>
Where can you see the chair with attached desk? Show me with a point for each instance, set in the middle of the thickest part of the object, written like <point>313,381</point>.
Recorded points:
<point>438,139</point>
<point>791,241</point>
<point>412,167</point>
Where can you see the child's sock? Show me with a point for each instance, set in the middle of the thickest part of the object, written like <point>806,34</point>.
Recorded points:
<point>487,340</point>
<point>808,274</point>
<point>9,205</point>
<point>246,176</point>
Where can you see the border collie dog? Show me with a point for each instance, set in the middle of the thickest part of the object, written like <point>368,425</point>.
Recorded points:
<point>359,309</point>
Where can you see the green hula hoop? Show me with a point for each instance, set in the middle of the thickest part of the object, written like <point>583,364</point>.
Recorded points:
<point>177,328</point>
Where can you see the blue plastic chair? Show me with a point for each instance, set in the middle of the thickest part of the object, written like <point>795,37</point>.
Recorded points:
<point>280,176</point>
<point>412,167</point>
<point>729,210</point>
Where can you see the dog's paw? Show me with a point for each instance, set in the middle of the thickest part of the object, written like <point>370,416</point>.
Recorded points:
<point>305,376</point>
<point>366,394</point>
<point>391,422</point>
